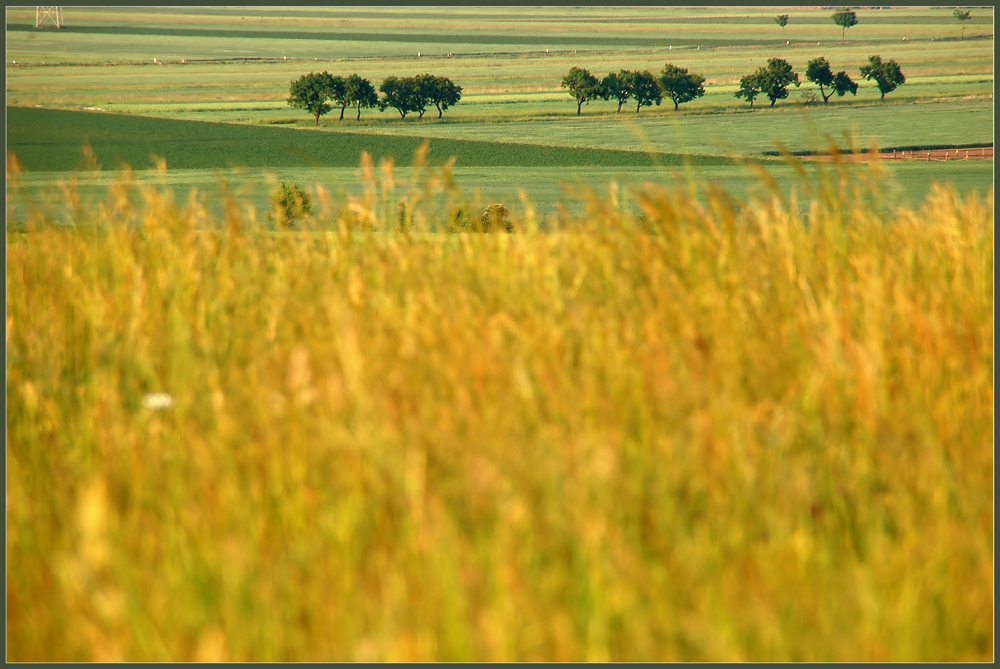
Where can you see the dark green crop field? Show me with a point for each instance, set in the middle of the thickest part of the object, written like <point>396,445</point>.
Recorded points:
<point>51,140</point>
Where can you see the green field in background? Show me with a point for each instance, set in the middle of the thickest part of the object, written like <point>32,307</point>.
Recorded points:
<point>514,121</point>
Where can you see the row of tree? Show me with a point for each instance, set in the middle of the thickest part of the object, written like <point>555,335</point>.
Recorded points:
<point>645,89</point>
<point>845,18</point>
<point>315,92</point>
<point>774,79</point>
<point>681,86</point>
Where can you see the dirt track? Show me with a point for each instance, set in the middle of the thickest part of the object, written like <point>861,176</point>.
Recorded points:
<point>941,155</point>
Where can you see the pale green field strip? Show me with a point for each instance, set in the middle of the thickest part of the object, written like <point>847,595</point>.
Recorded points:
<point>545,188</point>
<point>469,31</point>
<point>742,133</point>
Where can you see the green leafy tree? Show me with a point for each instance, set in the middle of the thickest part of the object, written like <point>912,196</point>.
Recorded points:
<point>439,91</point>
<point>818,71</point>
<point>617,87</point>
<point>886,74</point>
<point>782,20</point>
<point>962,18</point>
<point>750,87</point>
<point>360,93</point>
<point>776,78</point>
<point>645,90</point>
<point>842,84</point>
<point>680,85</point>
<point>338,93</point>
<point>582,85</point>
<point>845,18</point>
<point>311,92</point>
<point>402,94</point>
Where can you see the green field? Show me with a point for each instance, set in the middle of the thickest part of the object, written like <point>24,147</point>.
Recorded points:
<point>233,66</point>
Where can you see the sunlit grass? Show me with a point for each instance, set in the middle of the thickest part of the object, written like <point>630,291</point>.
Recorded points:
<point>718,430</point>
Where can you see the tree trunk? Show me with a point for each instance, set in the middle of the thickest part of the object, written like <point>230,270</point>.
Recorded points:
<point>842,31</point>
<point>825,96</point>
<point>676,105</point>
<point>439,109</point>
<point>620,103</point>
<point>882,99</point>
<point>317,118</point>
<point>402,114</point>
<point>342,113</point>
<point>773,100</point>
<point>638,107</point>
<point>359,111</point>
<point>579,103</point>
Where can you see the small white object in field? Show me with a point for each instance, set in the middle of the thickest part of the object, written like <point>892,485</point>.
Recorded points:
<point>154,60</point>
<point>786,42</point>
<point>157,401</point>
<point>904,39</point>
<point>418,54</point>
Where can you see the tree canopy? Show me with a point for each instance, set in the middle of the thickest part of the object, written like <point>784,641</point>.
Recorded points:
<point>645,90</point>
<point>360,92</point>
<point>402,94</point>
<point>842,83</point>
<point>311,92</point>
<point>818,71</point>
<point>886,74</point>
<point>680,85</point>
<point>750,87</point>
<point>782,20</point>
<point>845,18</point>
<point>617,87</point>
<point>962,17</point>
<point>582,85</point>
<point>776,78</point>
<point>439,91</point>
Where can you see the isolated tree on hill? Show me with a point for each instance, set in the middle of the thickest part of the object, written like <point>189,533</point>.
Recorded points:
<point>886,75</point>
<point>402,94</point>
<point>962,18</point>
<point>750,87</point>
<point>818,71</point>
<point>776,78</point>
<point>645,90</point>
<point>360,93</point>
<point>680,85</point>
<point>582,85</point>
<point>845,18</point>
<point>439,91</point>
<point>782,20</point>
<point>311,92</point>
<point>617,87</point>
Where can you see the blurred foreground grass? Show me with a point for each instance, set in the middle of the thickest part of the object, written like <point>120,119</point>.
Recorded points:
<point>715,431</point>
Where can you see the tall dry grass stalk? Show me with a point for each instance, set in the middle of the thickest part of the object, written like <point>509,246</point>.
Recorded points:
<point>708,430</point>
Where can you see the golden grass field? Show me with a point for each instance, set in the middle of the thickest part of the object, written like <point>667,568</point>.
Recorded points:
<point>719,431</point>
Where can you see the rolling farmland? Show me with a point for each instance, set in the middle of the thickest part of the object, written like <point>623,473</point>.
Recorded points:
<point>724,394</point>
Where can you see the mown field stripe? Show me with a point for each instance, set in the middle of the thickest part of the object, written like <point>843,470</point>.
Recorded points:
<point>480,37</point>
<point>51,140</point>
